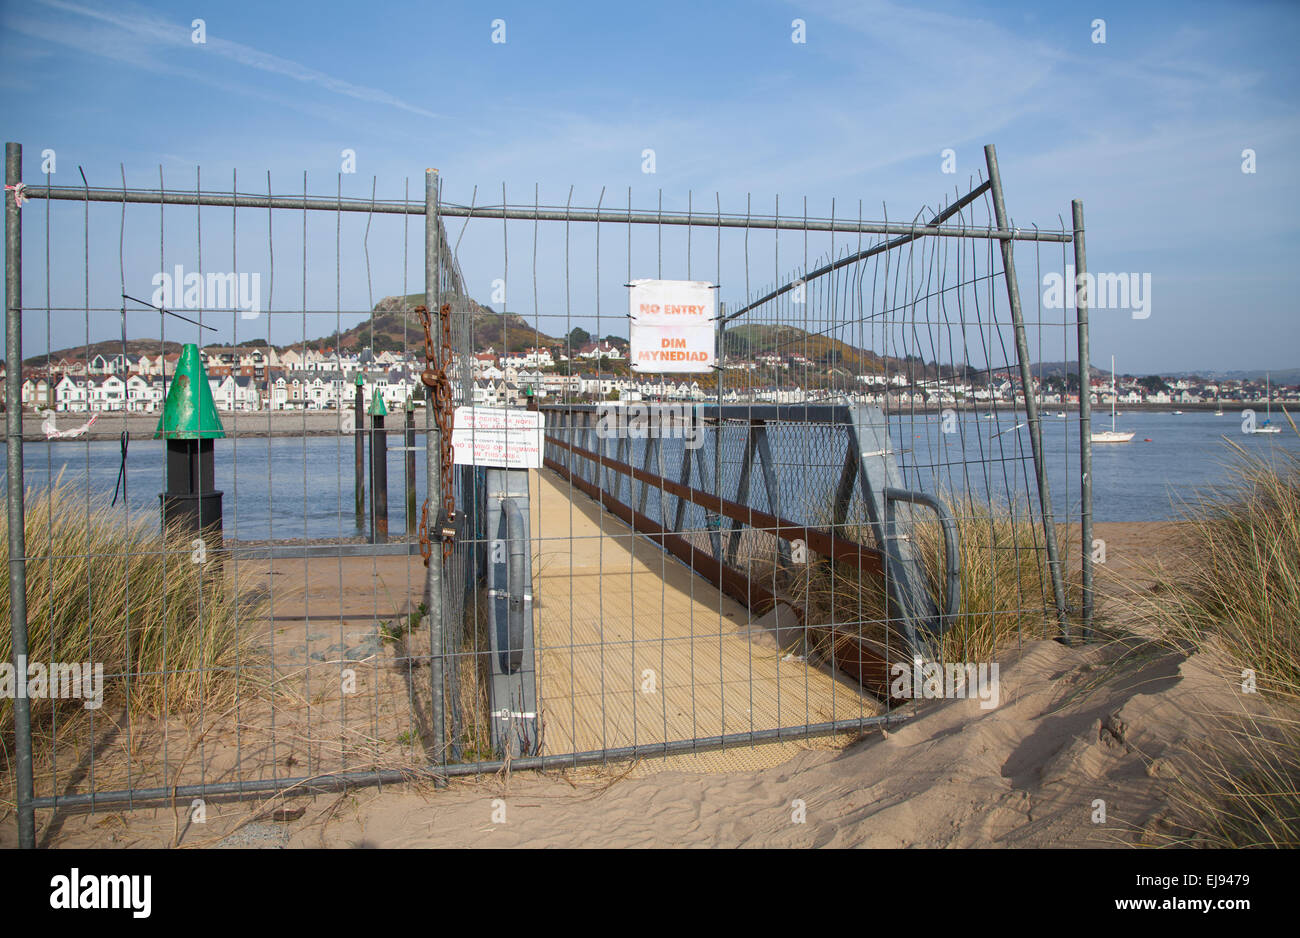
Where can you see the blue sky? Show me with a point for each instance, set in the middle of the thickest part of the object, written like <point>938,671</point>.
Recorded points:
<point>1147,128</point>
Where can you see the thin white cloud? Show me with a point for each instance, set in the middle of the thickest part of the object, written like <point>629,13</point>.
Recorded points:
<point>152,31</point>
<point>111,44</point>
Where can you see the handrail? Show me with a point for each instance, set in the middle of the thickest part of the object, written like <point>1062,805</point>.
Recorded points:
<point>951,547</point>
<point>516,546</point>
<point>836,548</point>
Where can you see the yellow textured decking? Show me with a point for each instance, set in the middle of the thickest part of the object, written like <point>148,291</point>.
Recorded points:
<point>635,648</point>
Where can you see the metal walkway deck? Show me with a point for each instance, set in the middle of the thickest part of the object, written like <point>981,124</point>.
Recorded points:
<point>635,648</point>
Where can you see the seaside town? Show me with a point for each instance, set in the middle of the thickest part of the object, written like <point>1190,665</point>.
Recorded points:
<point>256,377</point>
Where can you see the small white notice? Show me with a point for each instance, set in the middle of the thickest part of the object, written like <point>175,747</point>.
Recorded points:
<point>497,436</point>
<point>672,325</point>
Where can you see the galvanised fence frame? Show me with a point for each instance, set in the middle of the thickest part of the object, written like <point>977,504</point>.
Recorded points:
<point>731,515</point>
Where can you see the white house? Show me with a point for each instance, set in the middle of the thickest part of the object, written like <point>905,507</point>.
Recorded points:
<point>143,394</point>
<point>235,393</point>
<point>529,358</point>
<point>594,350</point>
<point>107,393</point>
<point>72,393</point>
<point>277,393</point>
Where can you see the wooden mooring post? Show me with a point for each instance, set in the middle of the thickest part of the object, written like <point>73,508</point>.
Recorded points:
<point>359,426</point>
<point>412,522</point>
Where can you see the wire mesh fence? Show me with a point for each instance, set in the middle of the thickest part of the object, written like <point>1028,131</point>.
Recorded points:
<point>758,551</point>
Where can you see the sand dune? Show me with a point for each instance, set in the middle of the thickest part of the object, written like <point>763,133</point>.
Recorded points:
<point>1074,725</point>
<point>1024,774</point>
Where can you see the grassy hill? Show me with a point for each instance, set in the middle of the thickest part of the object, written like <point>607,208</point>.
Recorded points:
<point>107,347</point>
<point>752,339</point>
<point>827,353</point>
<point>393,325</point>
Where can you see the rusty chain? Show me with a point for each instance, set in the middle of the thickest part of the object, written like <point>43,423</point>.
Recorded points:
<point>435,379</point>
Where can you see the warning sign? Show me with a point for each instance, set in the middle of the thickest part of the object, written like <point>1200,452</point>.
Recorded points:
<point>497,436</point>
<point>672,325</point>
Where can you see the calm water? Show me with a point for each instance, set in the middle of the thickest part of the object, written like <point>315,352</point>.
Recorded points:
<point>273,487</point>
<point>294,488</point>
<point>1170,459</point>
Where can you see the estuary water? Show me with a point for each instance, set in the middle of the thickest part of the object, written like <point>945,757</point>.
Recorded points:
<point>301,487</point>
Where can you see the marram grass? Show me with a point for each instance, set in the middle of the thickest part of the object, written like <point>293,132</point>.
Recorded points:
<point>1244,789</point>
<point>1239,579</point>
<point>1006,593</point>
<point>1235,592</point>
<point>104,589</point>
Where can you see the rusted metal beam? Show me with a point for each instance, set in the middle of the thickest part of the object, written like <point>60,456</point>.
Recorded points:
<point>734,583</point>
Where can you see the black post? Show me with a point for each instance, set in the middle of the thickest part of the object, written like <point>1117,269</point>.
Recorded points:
<point>191,502</point>
<point>360,433</point>
<point>378,480</point>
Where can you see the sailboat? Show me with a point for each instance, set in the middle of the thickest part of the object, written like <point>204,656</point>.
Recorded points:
<point>1267,425</point>
<point>1112,435</point>
<point>1218,407</point>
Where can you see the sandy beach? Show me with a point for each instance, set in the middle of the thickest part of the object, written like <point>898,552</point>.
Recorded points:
<point>1026,774</point>
<point>1074,725</point>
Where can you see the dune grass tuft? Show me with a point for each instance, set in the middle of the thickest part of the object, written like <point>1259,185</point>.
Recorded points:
<point>1236,595</point>
<point>1245,790</point>
<point>169,632</point>
<point>1240,579</point>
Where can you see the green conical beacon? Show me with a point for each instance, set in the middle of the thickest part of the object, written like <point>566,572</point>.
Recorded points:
<point>377,408</point>
<point>189,412</point>
<point>189,423</point>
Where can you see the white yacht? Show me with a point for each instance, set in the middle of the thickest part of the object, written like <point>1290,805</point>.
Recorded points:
<point>1267,425</point>
<point>1112,435</point>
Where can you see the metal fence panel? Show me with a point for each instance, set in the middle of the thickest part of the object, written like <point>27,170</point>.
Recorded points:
<point>864,479</point>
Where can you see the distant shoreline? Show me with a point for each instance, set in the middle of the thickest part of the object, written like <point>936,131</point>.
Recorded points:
<point>266,423</point>
<point>284,423</point>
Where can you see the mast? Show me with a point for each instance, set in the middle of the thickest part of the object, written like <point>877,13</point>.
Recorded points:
<point>1112,394</point>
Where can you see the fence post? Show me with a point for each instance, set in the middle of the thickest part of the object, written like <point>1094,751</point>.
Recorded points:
<point>14,469</point>
<point>716,534</point>
<point>1085,417</point>
<point>1026,381</point>
<point>433,471</point>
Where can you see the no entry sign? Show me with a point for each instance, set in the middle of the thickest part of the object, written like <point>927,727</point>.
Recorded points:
<point>672,326</point>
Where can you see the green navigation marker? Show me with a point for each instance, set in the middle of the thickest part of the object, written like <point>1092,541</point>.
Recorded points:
<point>189,412</point>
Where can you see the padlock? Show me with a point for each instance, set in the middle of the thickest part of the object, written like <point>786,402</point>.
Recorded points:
<point>445,530</point>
